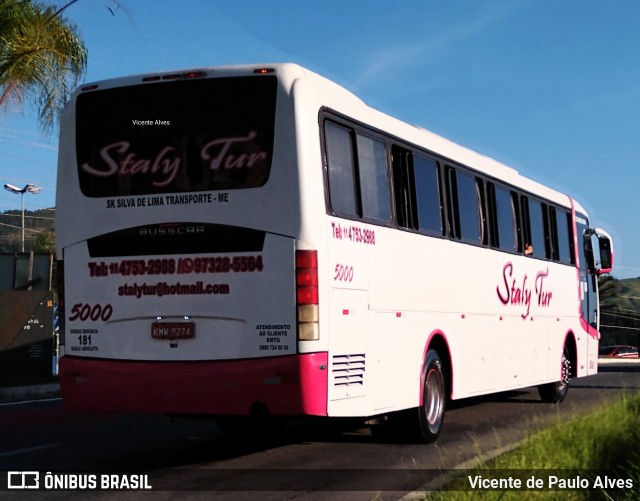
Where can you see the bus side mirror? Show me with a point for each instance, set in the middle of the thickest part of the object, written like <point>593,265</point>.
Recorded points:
<point>605,247</point>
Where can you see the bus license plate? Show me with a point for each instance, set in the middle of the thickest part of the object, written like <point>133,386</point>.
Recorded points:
<point>173,330</point>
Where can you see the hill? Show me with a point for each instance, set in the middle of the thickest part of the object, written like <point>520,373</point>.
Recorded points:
<point>620,311</point>
<point>38,226</point>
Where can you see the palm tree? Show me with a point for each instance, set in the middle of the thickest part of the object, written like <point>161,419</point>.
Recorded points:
<point>41,57</point>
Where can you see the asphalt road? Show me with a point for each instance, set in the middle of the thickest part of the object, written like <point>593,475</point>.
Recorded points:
<point>188,459</point>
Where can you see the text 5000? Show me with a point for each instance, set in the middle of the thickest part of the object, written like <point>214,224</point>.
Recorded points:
<point>82,312</point>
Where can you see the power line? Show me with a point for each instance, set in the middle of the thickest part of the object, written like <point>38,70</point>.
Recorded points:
<point>619,316</point>
<point>620,327</point>
<point>634,312</point>
<point>627,297</point>
<point>26,229</point>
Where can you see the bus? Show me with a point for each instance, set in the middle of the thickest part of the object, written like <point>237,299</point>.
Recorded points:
<point>254,241</point>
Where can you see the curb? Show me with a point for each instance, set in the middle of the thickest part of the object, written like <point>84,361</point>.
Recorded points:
<point>38,391</point>
<point>618,361</point>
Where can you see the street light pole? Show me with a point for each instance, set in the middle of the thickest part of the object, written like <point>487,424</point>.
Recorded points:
<point>28,188</point>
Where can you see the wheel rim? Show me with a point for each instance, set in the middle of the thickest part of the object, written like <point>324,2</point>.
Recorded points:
<point>565,370</point>
<point>433,397</point>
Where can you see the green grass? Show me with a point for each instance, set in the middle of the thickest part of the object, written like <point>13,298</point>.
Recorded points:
<point>583,449</point>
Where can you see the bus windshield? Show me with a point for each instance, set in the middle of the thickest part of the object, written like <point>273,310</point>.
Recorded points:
<point>176,136</point>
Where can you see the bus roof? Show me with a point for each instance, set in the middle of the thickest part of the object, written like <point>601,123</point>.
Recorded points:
<point>341,100</point>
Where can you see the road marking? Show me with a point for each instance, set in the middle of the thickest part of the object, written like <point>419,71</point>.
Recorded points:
<point>28,449</point>
<point>22,402</point>
<point>447,476</point>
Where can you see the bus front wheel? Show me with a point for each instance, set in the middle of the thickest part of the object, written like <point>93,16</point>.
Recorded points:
<point>554,393</point>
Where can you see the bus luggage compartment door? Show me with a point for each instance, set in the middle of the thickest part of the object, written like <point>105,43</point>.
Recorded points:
<point>181,306</point>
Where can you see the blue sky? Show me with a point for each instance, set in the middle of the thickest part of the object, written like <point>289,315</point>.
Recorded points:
<point>551,88</point>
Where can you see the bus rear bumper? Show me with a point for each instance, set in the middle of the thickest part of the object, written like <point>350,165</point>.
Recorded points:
<point>291,385</point>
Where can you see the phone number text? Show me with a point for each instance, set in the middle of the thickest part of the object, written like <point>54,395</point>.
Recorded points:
<point>180,266</point>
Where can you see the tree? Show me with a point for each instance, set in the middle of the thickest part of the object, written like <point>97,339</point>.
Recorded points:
<point>41,57</point>
<point>608,292</point>
<point>46,242</point>
<point>619,310</point>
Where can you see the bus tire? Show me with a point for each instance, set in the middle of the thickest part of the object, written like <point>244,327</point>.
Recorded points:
<point>421,424</point>
<point>554,393</point>
<point>431,412</point>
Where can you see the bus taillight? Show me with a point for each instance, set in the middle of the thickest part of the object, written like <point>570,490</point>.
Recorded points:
<point>307,294</point>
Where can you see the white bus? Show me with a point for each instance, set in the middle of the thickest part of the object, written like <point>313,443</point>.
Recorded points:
<point>257,241</point>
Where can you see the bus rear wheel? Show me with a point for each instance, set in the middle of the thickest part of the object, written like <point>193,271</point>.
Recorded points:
<point>422,424</point>
<point>431,411</point>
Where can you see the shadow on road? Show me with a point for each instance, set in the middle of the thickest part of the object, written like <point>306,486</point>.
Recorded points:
<point>619,368</point>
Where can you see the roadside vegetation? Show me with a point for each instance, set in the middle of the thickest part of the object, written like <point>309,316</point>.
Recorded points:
<point>596,456</point>
<point>620,311</point>
<point>38,226</point>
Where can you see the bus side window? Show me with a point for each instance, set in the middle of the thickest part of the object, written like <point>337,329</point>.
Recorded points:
<point>536,241</point>
<point>465,207</point>
<point>374,179</point>
<point>416,182</point>
<point>403,187</point>
<point>357,174</point>
<point>504,234</point>
<point>563,246</point>
<point>428,203</point>
<point>340,167</point>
